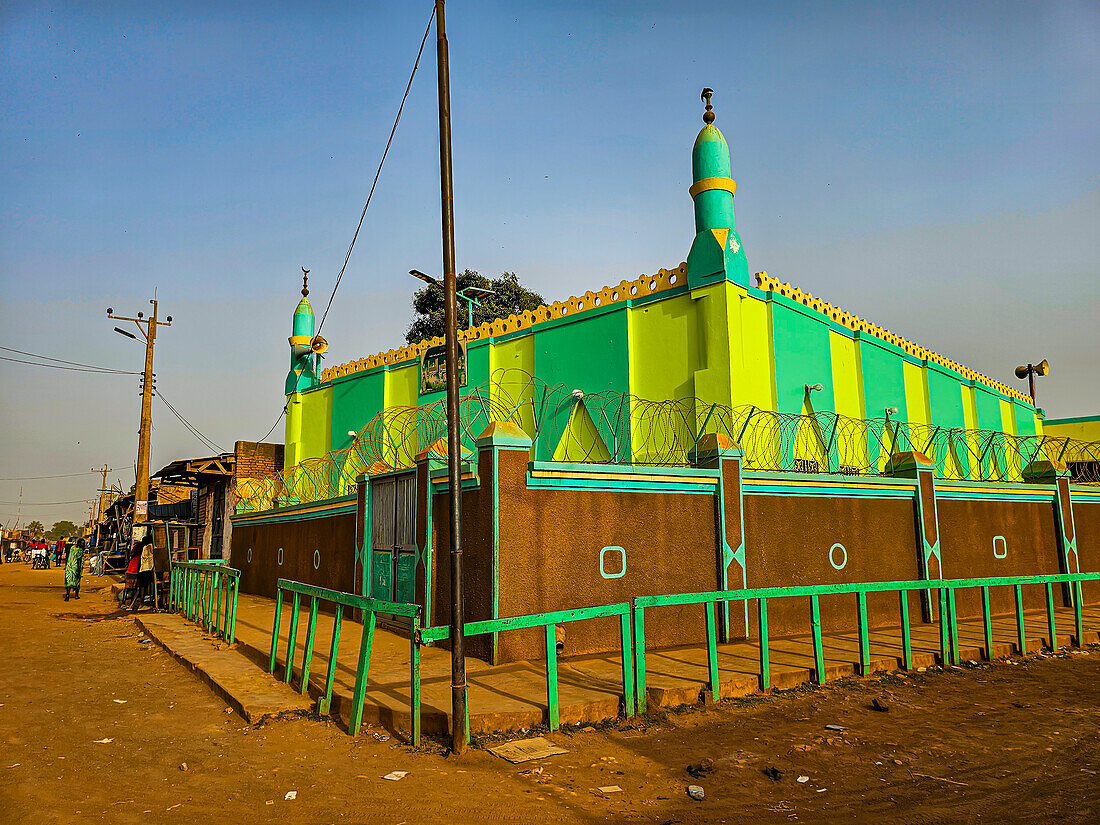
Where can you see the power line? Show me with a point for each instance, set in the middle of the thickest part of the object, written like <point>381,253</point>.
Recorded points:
<point>194,430</point>
<point>273,426</point>
<point>76,365</point>
<point>378,172</point>
<point>206,442</point>
<point>66,475</point>
<point>48,503</point>
<point>101,371</point>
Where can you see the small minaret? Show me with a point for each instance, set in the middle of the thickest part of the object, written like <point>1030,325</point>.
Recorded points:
<point>716,254</point>
<point>303,361</point>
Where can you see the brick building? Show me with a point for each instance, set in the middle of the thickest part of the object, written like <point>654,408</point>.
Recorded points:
<point>217,480</point>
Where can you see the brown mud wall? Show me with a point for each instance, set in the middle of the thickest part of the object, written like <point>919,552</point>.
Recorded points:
<point>1086,518</point>
<point>790,541</point>
<point>477,553</point>
<point>332,536</point>
<point>550,544</point>
<point>967,530</point>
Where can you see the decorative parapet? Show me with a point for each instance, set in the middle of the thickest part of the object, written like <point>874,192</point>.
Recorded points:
<point>853,322</point>
<point>624,291</point>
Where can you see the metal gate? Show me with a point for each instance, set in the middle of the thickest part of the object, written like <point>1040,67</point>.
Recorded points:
<point>393,537</point>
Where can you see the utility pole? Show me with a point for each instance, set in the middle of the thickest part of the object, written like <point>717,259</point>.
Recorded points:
<point>102,494</point>
<point>459,733</point>
<point>148,329</point>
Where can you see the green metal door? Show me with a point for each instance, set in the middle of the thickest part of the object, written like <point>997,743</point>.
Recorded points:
<point>393,538</point>
<point>405,554</point>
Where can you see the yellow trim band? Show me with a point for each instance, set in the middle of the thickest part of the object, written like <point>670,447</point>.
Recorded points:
<point>706,184</point>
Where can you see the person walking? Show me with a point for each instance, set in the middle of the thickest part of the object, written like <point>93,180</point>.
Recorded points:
<point>74,566</point>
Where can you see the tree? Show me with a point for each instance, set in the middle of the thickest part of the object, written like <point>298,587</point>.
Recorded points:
<point>510,298</point>
<point>61,529</point>
<point>35,528</point>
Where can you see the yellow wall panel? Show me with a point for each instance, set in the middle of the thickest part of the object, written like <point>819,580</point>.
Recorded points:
<point>666,350</point>
<point>1012,455</point>
<point>514,383</point>
<point>847,383</point>
<point>751,354</point>
<point>917,409</point>
<point>970,422</point>
<point>403,386</point>
<point>316,412</point>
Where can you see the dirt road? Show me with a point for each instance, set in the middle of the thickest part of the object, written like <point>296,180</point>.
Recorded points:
<point>1005,743</point>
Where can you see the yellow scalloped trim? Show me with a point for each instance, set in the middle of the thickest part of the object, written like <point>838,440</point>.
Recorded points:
<point>624,291</point>
<point>769,284</point>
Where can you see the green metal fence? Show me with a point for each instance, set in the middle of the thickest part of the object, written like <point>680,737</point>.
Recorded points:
<point>549,623</point>
<point>632,618</point>
<point>371,608</point>
<point>206,592</point>
<point>948,624</point>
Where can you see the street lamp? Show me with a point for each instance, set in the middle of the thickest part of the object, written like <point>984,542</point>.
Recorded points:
<point>470,302</point>
<point>1029,372</point>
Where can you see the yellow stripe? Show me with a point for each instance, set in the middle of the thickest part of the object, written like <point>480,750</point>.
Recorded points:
<point>623,477</point>
<point>763,482</point>
<point>998,490</point>
<point>706,184</point>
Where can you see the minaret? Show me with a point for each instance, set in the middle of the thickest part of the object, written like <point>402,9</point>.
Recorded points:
<point>303,361</point>
<point>716,254</point>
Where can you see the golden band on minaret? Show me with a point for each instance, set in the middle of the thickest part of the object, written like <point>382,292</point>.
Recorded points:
<point>706,184</point>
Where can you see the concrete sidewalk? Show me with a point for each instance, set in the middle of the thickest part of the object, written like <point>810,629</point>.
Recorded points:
<point>513,696</point>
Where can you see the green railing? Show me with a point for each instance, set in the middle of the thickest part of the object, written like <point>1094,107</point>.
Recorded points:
<point>370,607</point>
<point>549,622</point>
<point>206,592</point>
<point>949,638</point>
<point>633,644</point>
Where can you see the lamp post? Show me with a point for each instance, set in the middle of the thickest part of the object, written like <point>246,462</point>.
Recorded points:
<point>470,302</point>
<point>459,733</point>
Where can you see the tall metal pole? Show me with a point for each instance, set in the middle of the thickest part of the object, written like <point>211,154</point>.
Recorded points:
<point>459,733</point>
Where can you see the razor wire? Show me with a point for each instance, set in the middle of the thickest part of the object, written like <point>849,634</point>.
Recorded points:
<point>609,427</point>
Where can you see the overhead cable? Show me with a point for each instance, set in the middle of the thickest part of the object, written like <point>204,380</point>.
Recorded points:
<point>273,426</point>
<point>208,443</point>
<point>49,503</point>
<point>65,475</point>
<point>378,172</point>
<point>100,370</point>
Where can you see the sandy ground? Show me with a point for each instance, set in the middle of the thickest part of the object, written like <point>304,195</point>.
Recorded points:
<point>1005,743</point>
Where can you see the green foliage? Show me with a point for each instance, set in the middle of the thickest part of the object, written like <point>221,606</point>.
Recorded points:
<point>511,297</point>
<point>35,528</point>
<point>61,529</point>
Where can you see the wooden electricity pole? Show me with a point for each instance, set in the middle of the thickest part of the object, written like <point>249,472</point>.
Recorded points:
<point>148,329</point>
<point>102,493</point>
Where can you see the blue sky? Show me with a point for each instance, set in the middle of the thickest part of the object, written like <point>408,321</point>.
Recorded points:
<point>931,167</point>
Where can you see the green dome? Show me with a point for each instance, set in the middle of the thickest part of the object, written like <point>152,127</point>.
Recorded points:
<point>303,318</point>
<point>710,157</point>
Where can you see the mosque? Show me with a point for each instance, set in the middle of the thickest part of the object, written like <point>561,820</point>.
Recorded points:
<point>700,428</point>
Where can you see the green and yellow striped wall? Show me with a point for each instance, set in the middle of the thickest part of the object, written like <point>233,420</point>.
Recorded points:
<point>702,330</point>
